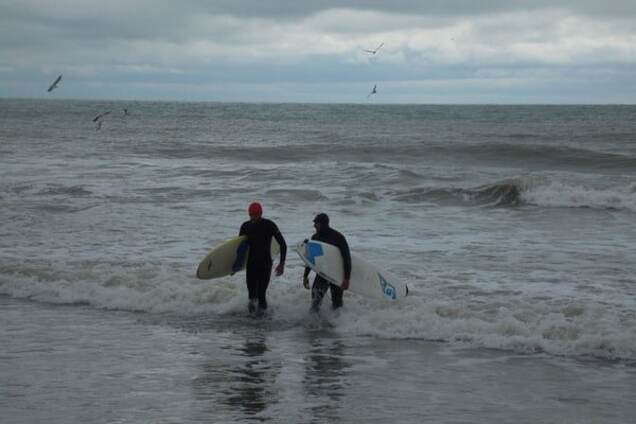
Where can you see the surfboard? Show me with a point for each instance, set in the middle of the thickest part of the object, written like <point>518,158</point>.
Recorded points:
<point>366,278</point>
<point>228,258</point>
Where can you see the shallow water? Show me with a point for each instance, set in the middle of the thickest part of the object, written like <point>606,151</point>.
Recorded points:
<point>64,364</point>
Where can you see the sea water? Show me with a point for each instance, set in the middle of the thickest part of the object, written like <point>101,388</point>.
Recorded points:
<point>512,225</point>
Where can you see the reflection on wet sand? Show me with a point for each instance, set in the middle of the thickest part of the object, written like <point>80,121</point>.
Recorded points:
<point>245,390</point>
<point>325,378</point>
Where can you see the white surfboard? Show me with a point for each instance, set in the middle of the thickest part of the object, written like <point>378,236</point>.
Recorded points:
<point>366,278</point>
<point>228,258</point>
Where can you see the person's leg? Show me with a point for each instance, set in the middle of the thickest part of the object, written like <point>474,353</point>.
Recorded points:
<point>318,291</point>
<point>263,283</point>
<point>336,296</point>
<point>251,278</point>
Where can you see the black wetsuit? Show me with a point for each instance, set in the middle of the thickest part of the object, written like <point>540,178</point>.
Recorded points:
<point>259,261</point>
<point>320,286</point>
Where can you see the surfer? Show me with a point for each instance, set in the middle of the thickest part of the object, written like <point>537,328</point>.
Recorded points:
<point>327,234</point>
<point>259,232</point>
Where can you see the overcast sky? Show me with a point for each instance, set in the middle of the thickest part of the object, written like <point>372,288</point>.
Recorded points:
<point>443,51</point>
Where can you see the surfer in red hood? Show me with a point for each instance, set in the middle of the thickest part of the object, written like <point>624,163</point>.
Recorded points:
<point>259,232</point>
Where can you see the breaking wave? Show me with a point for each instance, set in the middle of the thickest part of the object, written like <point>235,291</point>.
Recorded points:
<point>566,195</point>
<point>521,191</point>
<point>565,327</point>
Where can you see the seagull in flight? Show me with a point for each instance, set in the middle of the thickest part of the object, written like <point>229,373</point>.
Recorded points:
<point>374,51</point>
<point>374,91</point>
<point>55,83</point>
<point>100,116</point>
<point>100,120</point>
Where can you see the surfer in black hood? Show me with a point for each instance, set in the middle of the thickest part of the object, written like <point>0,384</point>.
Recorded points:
<point>327,234</point>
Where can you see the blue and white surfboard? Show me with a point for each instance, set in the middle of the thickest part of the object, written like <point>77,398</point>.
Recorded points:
<point>366,278</point>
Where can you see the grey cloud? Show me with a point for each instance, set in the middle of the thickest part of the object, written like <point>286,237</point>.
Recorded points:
<point>306,46</point>
<point>34,24</point>
<point>23,26</point>
<point>290,9</point>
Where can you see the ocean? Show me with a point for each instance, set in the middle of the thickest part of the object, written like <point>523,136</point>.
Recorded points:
<point>512,225</point>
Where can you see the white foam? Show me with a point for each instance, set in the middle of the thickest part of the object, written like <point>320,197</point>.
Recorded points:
<point>512,321</point>
<point>144,288</point>
<point>559,194</point>
<point>526,325</point>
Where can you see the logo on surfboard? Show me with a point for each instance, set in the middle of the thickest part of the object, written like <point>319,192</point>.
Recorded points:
<point>387,288</point>
<point>314,250</point>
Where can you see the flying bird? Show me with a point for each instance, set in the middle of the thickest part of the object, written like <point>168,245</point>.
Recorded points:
<point>374,51</point>
<point>100,120</point>
<point>374,91</point>
<point>55,83</point>
<point>100,116</point>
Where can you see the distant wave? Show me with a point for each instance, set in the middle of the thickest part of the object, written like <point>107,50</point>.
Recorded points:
<point>503,193</point>
<point>557,194</point>
<point>540,155</point>
<point>520,191</point>
<point>47,190</point>
<point>59,190</point>
<point>525,153</point>
<point>295,195</point>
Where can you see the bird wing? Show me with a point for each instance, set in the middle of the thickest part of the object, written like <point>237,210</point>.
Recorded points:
<point>52,86</point>
<point>101,115</point>
<point>379,47</point>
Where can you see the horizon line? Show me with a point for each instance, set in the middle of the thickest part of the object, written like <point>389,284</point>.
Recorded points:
<point>269,102</point>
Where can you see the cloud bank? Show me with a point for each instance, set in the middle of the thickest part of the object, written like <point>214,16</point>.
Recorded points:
<point>279,51</point>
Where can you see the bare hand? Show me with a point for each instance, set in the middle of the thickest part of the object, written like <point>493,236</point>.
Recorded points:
<point>280,269</point>
<point>345,284</point>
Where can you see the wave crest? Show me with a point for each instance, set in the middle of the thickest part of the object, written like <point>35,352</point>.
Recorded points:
<point>507,192</point>
<point>519,191</point>
<point>559,194</point>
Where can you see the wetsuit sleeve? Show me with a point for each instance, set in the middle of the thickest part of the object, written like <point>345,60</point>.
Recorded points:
<point>283,245</point>
<point>346,256</point>
<point>243,230</point>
